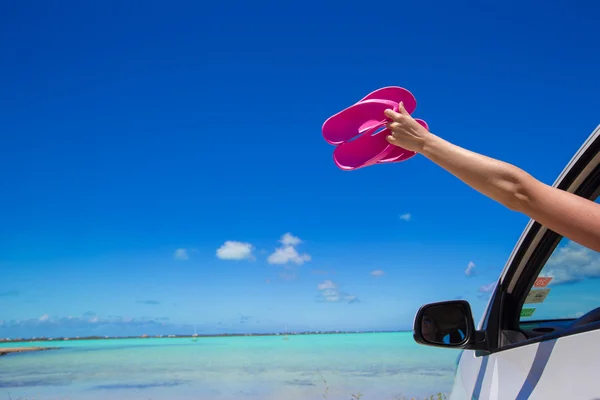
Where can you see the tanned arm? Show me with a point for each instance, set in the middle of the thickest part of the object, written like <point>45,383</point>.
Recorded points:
<point>567,214</point>
<point>564,213</point>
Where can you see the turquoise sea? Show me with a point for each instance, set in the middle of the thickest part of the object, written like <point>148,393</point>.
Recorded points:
<point>379,365</point>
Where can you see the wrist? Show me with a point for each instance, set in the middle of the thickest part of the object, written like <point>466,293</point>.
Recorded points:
<point>430,143</point>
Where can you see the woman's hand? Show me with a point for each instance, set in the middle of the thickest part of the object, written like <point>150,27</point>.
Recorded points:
<point>406,132</point>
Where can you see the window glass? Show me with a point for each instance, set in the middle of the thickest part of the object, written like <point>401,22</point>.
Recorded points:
<point>567,287</point>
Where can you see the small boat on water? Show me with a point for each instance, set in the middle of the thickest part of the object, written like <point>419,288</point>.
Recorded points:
<point>285,336</point>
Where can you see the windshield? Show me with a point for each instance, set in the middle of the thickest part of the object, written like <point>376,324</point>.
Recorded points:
<point>567,287</point>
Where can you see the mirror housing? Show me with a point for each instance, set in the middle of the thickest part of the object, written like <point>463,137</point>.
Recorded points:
<point>447,324</point>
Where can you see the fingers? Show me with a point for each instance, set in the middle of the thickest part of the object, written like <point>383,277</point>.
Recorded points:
<point>393,126</point>
<point>396,116</point>
<point>402,110</point>
<point>392,140</point>
<point>391,114</point>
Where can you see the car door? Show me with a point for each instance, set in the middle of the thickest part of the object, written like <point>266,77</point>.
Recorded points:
<point>542,322</point>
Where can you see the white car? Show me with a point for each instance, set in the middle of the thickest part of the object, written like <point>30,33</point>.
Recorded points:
<point>539,337</point>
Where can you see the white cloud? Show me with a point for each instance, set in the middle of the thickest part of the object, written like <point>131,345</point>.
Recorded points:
<point>335,296</point>
<point>572,263</point>
<point>288,253</point>
<point>350,298</point>
<point>329,292</point>
<point>470,271</point>
<point>290,240</point>
<point>488,288</point>
<point>573,315</point>
<point>405,217</point>
<point>485,291</point>
<point>232,250</point>
<point>180,254</point>
<point>328,284</point>
<point>83,322</point>
<point>377,273</point>
<point>331,295</point>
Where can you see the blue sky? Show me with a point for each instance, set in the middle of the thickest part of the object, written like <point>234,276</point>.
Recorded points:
<point>162,164</point>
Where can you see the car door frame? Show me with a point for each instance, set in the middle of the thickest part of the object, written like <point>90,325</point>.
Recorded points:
<point>581,176</point>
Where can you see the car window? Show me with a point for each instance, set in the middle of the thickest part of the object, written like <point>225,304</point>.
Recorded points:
<point>567,287</point>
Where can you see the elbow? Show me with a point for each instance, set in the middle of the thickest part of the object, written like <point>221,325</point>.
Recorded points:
<point>516,201</point>
<point>515,193</point>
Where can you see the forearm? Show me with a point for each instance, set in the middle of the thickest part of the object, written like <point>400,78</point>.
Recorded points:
<point>496,179</point>
<point>567,214</point>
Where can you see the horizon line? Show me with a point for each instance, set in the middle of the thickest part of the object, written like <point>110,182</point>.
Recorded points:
<point>192,336</point>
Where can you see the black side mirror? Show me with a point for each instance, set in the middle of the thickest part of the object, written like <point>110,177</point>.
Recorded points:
<point>445,324</point>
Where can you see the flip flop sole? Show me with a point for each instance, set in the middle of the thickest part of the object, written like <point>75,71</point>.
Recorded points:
<point>395,94</point>
<point>367,149</point>
<point>356,119</point>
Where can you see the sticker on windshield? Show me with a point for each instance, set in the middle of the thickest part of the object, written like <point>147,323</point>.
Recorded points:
<point>537,296</point>
<point>527,312</point>
<point>542,281</point>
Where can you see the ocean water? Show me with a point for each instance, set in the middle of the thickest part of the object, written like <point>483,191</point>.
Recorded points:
<point>379,365</point>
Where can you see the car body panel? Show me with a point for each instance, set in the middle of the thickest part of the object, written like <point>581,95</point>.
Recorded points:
<point>560,368</point>
<point>553,369</point>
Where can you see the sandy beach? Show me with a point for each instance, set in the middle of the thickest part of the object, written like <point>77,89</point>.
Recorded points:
<point>4,351</point>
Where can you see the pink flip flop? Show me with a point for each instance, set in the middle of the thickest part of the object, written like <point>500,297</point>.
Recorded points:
<point>356,119</point>
<point>334,126</point>
<point>368,150</point>
<point>359,131</point>
<point>395,94</point>
<point>365,150</point>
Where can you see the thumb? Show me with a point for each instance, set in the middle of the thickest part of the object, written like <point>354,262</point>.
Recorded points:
<point>401,109</point>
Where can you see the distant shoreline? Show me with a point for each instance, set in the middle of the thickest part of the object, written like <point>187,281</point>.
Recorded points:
<point>197,336</point>
<point>8,350</point>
